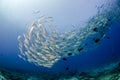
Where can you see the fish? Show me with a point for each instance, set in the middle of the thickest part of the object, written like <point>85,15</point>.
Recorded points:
<point>36,12</point>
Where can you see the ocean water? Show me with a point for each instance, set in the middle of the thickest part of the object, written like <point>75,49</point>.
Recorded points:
<point>94,32</point>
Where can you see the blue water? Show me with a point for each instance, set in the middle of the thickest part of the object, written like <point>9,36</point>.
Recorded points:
<point>107,52</point>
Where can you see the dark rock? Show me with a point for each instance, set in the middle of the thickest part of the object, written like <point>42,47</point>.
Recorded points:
<point>119,64</point>
<point>82,74</point>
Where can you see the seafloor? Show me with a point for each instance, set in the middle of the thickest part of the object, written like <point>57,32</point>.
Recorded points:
<point>110,72</point>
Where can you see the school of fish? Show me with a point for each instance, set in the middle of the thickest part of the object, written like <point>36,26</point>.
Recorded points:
<point>44,45</point>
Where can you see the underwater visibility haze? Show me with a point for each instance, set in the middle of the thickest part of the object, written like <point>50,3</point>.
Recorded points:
<point>59,38</point>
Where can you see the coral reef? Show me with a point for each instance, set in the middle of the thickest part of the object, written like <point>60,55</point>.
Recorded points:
<point>109,72</point>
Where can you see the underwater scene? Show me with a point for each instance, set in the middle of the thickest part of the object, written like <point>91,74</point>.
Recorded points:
<point>59,39</point>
